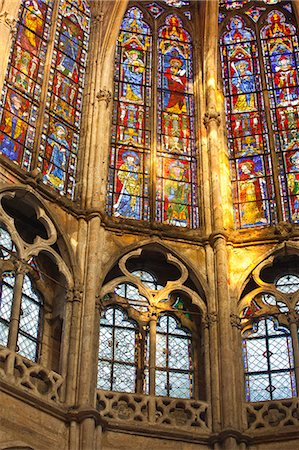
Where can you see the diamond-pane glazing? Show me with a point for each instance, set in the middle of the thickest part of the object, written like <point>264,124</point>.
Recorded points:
<point>6,298</point>
<point>27,347</point>
<point>3,333</point>
<point>288,284</point>
<point>180,385</point>
<point>29,317</point>
<point>6,245</point>
<point>117,351</point>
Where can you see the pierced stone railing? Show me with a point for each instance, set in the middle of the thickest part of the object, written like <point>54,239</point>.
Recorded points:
<point>161,411</point>
<point>29,376</point>
<point>276,413</point>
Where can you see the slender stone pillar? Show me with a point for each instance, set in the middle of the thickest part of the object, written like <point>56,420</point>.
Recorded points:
<point>218,239</point>
<point>293,321</point>
<point>16,305</point>
<point>8,19</point>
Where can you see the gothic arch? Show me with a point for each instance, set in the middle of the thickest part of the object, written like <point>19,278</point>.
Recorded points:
<point>164,248</point>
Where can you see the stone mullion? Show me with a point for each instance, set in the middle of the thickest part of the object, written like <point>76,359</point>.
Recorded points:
<point>152,366</point>
<point>293,321</point>
<point>16,306</point>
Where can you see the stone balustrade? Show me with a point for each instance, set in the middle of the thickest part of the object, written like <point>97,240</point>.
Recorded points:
<point>157,411</point>
<point>275,413</point>
<point>30,376</point>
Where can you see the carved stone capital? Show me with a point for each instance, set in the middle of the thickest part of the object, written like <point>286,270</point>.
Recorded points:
<point>235,321</point>
<point>20,266</point>
<point>104,95</point>
<point>211,116</point>
<point>8,20</point>
<point>75,294</point>
<point>210,318</point>
<point>292,317</point>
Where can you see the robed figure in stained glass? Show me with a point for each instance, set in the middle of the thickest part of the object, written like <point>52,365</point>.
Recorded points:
<point>133,68</point>
<point>59,155</point>
<point>243,82</point>
<point>177,190</point>
<point>176,83</point>
<point>128,203</point>
<point>251,192</point>
<point>14,127</point>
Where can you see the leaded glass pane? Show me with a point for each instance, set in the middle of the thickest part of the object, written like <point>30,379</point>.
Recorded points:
<point>125,345</point>
<point>288,284</point>
<point>124,377</point>
<point>180,385</point>
<point>161,350</point>
<point>27,347</point>
<point>104,375</point>
<point>6,245</point>
<point>284,384</point>
<point>161,383</point>
<point>3,333</point>
<point>178,353</point>
<point>6,296</point>
<point>117,351</point>
<point>268,362</point>
<point>257,388</point>
<point>29,317</point>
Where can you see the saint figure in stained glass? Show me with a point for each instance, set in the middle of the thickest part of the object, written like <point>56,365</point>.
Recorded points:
<point>243,83</point>
<point>58,149</point>
<point>128,203</point>
<point>175,73</point>
<point>177,191</point>
<point>252,191</point>
<point>133,68</point>
<point>13,126</point>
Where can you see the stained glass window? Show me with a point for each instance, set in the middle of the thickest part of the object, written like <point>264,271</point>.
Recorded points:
<point>268,362</point>
<point>26,84</point>
<point>152,172</point>
<point>260,72</point>
<point>60,137</point>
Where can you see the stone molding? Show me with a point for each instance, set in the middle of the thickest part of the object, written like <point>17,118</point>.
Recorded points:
<point>8,20</point>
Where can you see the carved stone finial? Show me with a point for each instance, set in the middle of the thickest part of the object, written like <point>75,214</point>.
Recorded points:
<point>211,115</point>
<point>8,20</point>
<point>104,95</point>
<point>283,229</point>
<point>235,321</point>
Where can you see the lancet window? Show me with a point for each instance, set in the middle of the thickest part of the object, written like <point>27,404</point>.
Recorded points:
<point>259,48</point>
<point>149,337</point>
<point>152,174</point>
<point>269,321</point>
<point>45,134</point>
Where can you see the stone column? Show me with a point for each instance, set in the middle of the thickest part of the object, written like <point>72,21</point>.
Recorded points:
<point>218,238</point>
<point>8,19</point>
<point>293,321</point>
<point>152,367</point>
<point>71,338</point>
<point>20,270</point>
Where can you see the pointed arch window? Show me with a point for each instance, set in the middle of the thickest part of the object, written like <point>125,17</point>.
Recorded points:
<point>259,47</point>
<point>269,324</point>
<point>152,174</point>
<point>45,134</point>
<point>143,352</point>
